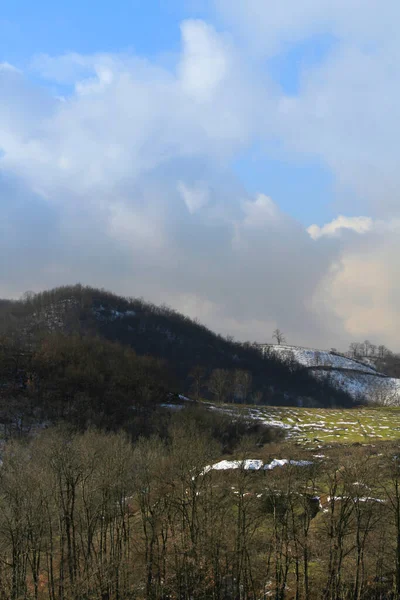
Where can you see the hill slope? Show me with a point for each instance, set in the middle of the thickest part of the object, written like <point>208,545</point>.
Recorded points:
<point>358,378</point>
<point>161,332</point>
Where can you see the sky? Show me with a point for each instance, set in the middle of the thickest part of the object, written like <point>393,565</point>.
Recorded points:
<point>235,160</point>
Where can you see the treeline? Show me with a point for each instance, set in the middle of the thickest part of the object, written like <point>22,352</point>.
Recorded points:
<point>224,385</point>
<point>84,381</point>
<point>386,361</point>
<point>88,381</point>
<point>162,333</point>
<point>92,516</point>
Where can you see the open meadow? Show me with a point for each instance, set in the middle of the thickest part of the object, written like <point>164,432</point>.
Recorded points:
<point>322,426</point>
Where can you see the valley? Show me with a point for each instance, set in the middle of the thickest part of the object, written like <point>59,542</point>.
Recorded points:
<point>146,457</point>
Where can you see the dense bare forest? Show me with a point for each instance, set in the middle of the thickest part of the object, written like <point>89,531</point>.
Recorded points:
<point>94,516</point>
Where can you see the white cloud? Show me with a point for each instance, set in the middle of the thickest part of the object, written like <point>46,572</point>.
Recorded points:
<point>346,113</point>
<point>205,61</point>
<point>126,115</point>
<point>359,225</point>
<point>270,27</point>
<point>260,212</point>
<point>363,292</point>
<point>127,183</point>
<point>5,66</point>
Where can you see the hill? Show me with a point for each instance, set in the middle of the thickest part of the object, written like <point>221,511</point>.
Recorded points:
<point>191,353</point>
<point>358,377</point>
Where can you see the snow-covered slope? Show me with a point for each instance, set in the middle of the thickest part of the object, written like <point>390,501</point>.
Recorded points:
<point>374,388</point>
<point>310,357</point>
<point>359,379</point>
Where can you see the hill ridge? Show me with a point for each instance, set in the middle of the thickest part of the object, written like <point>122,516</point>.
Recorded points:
<point>164,333</point>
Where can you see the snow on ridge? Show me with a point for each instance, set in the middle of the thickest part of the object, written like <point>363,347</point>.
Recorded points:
<point>310,357</point>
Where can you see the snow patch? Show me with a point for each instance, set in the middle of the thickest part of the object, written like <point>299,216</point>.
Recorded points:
<point>254,465</point>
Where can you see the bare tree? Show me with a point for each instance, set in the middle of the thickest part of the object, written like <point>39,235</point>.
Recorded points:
<point>256,397</point>
<point>28,296</point>
<point>219,384</point>
<point>242,384</point>
<point>354,349</point>
<point>197,375</point>
<point>382,351</point>
<point>279,337</point>
<point>367,347</point>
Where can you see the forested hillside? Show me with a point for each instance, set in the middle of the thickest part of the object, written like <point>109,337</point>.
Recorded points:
<point>89,354</point>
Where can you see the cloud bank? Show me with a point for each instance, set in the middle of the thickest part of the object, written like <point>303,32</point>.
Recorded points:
<point>116,171</point>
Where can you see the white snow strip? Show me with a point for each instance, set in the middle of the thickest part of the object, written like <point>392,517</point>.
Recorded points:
<point>226,465</point>
<point>284,461</point>
<point>253,465</point>
<point>363,499</point>
<point>185,398</point>
<point>275,423</point>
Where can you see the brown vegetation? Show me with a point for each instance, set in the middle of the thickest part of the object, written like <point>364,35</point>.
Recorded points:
<point>85,516</point>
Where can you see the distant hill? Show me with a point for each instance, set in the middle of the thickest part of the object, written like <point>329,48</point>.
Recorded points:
<point>358,377</point>
<point>162,333</point>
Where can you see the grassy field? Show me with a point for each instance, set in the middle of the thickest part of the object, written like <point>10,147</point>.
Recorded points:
<point>333,425</point>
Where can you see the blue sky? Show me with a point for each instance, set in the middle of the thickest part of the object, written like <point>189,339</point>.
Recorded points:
<point>236,159</point>
<point>151,29</point>
<point>148,27</point>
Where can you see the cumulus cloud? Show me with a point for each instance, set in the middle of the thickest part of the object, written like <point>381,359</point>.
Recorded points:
<point>357,224</point>
<point>133,168</point>
<point>364,294</point>
<point>269,28</point>
<point>205,61</point>
<point>116,171</point>
<point>346,112</point>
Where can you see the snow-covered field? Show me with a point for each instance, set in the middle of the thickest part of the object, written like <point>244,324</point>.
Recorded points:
<point>332,425</point>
